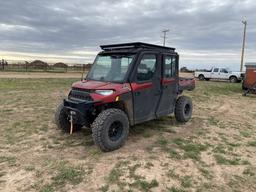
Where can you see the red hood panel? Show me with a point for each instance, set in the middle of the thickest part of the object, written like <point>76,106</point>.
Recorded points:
<point>93,85</point>
<point>90,84</point>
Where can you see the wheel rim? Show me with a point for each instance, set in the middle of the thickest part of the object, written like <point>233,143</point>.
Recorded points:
<point>115,131</point>
<point>187,109</point>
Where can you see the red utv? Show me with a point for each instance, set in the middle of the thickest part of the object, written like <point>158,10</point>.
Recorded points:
<point>127,84</point>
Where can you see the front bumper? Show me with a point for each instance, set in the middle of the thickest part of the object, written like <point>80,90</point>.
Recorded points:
<point>81,108</point>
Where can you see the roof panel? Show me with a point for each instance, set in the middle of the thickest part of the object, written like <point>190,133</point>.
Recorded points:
<point>135,45</point>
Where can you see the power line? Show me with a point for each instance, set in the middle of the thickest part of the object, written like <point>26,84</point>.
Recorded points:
<point>165,31</point>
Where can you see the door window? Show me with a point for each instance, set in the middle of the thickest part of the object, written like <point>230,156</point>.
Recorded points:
<point>169,66</point>
<point>216,70</point>
<point>146,68</point>
<point>223,71</point>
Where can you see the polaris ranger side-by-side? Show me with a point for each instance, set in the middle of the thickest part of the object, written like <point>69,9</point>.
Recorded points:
<point>128,84</point>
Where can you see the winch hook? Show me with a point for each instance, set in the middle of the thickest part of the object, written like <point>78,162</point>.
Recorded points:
<point>72,113</point>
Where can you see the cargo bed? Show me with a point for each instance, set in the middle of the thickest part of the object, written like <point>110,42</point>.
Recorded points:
<point>186,84</point>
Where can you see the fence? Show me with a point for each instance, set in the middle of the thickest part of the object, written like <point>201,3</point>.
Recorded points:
<point>39,66</point>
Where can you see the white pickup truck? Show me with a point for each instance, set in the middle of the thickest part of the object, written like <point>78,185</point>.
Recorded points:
<point>219,73</point>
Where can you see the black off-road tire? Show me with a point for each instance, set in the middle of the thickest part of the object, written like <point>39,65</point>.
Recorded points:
<point>246,92</point>
<point>183,109</point>
<point>104,124</point>
<point>62,121</point>
<point>201,77</point>
<point>233,79</point>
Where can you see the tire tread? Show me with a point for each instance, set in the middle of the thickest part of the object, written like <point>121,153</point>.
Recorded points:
<point>98,126</point>
<point>179,108</point>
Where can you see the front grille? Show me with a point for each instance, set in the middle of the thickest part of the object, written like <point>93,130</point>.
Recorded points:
<point>83,90</point>
<point>80,94</point>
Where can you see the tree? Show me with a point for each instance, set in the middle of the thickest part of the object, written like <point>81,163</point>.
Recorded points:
<point>184,69</point>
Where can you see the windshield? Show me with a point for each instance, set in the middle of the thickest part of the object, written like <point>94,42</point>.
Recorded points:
<point>111,68</point>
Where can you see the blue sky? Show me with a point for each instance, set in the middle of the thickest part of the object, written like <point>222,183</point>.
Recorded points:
<point>205,32</point>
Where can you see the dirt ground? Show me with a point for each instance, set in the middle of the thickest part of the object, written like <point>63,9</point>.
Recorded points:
<point>215,151</point>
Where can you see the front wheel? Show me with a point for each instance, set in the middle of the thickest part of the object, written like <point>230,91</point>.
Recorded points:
<point>233,79</point>
<point>201,77</point>
<point>110,129</point>
<point>62,120</point>
<point>183,109</point>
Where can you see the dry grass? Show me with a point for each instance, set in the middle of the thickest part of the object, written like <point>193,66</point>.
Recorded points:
<point>215,151</point>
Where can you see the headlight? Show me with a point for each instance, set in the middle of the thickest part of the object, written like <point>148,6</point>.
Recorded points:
<point>104,92</point>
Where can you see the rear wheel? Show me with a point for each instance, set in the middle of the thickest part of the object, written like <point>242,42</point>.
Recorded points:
<point>183,109</point>
<point>62,120</point>
<point>110,129</point>
<point>201,77</point>
<point>233,79</point>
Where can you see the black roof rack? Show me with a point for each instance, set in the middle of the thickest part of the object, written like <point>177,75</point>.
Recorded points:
<point>134,45</point>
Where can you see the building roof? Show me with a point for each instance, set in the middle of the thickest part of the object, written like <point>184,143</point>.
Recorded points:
<point>250,65</point>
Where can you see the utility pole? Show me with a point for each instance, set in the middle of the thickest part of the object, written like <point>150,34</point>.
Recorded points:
<point>165,31</point>
<point>243,46</point>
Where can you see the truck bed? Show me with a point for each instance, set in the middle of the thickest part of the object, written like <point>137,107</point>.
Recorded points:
<point>186,84</point>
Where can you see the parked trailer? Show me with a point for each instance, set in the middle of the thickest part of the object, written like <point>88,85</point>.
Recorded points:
<point>249,83</point>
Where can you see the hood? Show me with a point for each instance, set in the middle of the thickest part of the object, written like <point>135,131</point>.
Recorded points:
<point>93,85</point>
<point>237,72</point>
<point>89,84</point>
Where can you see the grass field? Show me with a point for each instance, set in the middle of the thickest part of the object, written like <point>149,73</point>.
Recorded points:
<point>215,151</point>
